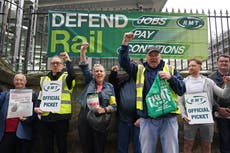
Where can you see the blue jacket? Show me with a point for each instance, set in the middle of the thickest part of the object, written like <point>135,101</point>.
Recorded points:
<point>104,95</point>
<point>125,90</point>
<point>176,81</point>
<point>24,129</point>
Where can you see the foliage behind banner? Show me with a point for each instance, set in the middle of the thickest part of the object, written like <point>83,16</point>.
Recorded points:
<point>179,36</point>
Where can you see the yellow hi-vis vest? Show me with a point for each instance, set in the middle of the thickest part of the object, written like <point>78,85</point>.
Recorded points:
<point>65,96</point>
<point>140,84</point>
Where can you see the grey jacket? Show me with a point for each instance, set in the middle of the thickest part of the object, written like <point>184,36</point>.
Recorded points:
<point>218,79</point>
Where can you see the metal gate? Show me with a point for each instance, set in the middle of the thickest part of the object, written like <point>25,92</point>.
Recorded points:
<point>24,32</point>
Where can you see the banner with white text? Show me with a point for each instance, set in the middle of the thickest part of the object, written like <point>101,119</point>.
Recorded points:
<point>178,35</point>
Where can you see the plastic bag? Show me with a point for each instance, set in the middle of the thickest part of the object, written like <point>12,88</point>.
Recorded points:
<point>159,99</point>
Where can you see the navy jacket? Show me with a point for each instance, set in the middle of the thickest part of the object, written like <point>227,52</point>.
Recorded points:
<point>176,81</point>
<point>125,90</point>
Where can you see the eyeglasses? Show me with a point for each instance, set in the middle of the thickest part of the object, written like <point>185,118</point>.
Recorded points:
<point>56,63</point>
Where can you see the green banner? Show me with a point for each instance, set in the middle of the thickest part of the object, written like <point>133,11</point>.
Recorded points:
<point>179,36</point>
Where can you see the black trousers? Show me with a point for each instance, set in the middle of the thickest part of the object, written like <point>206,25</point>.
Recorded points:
<point>51,131</point>
<point>11,144</point>
<point>223,125</point>
<point>8,143</point>
<point>24,146</point>
<point>92,141</point>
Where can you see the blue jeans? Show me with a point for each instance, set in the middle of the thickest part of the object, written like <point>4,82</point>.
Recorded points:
<point>128,132</point>
<point>164,128</point>
<point>224,134</point>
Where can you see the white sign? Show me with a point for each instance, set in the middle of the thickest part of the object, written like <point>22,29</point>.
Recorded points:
<point>198,108</point>
<point>92,101</point>
<point>20,103</point>
<point>51,96</point>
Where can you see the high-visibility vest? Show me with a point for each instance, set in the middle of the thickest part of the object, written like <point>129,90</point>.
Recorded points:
<point>140,84</point>
<point>65,96</point>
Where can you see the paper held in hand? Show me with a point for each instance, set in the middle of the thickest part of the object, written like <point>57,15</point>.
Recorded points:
<point>20,103</point>
<point>198,108</point>
<point>51,96</point>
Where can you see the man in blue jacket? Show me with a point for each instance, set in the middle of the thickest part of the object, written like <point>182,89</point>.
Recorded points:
<point>164,127</point>
<point>15,133</point>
